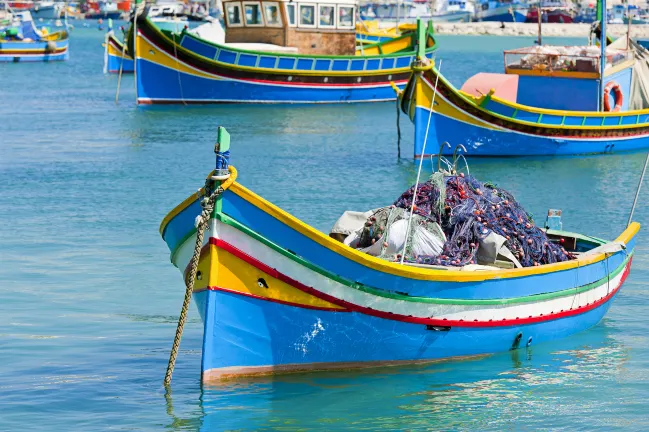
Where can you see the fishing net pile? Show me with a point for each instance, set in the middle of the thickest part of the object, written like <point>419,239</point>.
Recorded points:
<point>457,221</point>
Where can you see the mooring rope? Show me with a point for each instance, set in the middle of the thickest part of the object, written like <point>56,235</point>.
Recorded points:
<point>180,84</point>
<point>202,222</point>
<point>421,160</point>
<point>121,66</point>
<point>398,130</point>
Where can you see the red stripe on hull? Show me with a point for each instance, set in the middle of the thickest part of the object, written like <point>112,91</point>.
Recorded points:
<point>397,317</point>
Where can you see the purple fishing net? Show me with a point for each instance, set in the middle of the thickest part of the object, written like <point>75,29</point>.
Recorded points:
<point>472,210</point>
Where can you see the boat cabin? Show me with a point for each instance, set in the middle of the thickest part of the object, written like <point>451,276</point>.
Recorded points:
<point>324,27</point>
<point>561,78</point>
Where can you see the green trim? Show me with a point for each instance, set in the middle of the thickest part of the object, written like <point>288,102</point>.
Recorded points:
<point>386,294</point>
<point>167,33</point>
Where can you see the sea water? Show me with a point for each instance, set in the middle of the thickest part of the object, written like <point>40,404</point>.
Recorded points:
<point>89,300</point>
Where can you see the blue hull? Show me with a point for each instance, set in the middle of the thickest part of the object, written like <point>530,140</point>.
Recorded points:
<point>113,64</point>
<point>33,51</point>
<point>506,17</point>
<point>159,84</point>
<point>243,332</point>
<point>489,142</point>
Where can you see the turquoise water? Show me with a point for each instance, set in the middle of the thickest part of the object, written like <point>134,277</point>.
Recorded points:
<point>89,300</point>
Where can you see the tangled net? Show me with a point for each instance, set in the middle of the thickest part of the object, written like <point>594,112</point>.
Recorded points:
<point>469,212</point>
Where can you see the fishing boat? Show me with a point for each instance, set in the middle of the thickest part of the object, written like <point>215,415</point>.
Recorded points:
<point>550,101</point>
<point>117,57</point>
<point>554,11</point>
<point>210,30</point>
<point>370,32</point>
<point>23,42</point>
<point>277,52</point>
<point>48,10</point>
<point>501,11</point>
<point>106,10</point>
<point>276,295</point>
<point>407,11</point>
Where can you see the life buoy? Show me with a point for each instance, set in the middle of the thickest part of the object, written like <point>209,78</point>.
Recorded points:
<point>617,92</point>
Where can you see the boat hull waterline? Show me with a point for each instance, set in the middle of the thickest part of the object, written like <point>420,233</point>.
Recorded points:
<point>41,51</point>
<point>275,296</point>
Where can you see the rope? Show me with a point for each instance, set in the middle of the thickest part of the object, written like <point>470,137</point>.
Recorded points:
<point>637,192</point>
<point>202,222</point>
<point>121,66</point>
<point>421,161</point>
<point>398,130</point>
<point>180,84</point>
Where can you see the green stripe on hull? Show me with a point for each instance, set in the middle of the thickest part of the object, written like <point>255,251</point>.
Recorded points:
<point>395,296</point>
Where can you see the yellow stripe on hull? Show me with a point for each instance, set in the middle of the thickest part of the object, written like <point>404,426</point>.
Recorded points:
<point>219,269</point>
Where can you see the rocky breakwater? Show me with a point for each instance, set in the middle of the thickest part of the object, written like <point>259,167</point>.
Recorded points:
<point>531,29</point>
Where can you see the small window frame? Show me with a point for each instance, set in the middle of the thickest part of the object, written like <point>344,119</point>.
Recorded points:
<point>288,16</point>
<point>264,5</point>
<point>227,15</point>
<point>315,15</point>
<point>335,20</point>
<point>261,10</point>
<point>344,27</point>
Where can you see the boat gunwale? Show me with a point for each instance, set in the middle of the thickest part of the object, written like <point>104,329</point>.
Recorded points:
<point>396,269</point>
<point>177,42</point>
<point>475,103</point>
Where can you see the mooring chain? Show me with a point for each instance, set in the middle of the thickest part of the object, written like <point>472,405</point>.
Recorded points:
<point>202,222</point>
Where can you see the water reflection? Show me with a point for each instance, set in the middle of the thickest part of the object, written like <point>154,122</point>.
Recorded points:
<point>498,391</point>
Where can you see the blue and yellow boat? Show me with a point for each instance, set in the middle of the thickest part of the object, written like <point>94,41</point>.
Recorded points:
<point>369,32</point>
<point>23,42</point>
<point>283,55</point>
<point>549,101</point>
<point>116,56</point>
<point>276,295</point>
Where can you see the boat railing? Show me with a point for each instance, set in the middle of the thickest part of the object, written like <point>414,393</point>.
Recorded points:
<point>541,60</point>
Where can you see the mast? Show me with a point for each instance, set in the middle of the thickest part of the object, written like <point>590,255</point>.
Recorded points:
<point>538,13</point>
<point>601,14</point>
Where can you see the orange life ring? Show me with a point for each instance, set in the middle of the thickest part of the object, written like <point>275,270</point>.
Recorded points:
<point>619,97</point>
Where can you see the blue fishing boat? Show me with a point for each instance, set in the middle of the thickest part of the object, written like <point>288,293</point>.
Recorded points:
<point>501,11</point>
<point>21,41</point>
<point>276,295</point>
<point>117,57</point>
<point>551,100</point>
<point>279,52</point>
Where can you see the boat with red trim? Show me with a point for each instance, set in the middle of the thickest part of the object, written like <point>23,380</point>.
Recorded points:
<point>276,295</point>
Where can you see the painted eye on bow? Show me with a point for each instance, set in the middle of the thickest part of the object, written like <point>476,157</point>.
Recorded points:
<point>262,283</point>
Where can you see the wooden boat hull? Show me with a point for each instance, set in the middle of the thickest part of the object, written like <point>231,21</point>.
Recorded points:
<point>42,51</point>
<point>489,126</point>
<point>115,56</point>
<point>198,72</point>
<point>276,296</point>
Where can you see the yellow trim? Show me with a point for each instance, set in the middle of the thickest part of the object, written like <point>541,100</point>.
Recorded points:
<point>552,73</point>
<point>535,110</point>
<point>232,273</point>
<point>190,199</point>
<point>409,271</point>
<point>618,67</point>
<point>144,53</point>
<point>394,268</point>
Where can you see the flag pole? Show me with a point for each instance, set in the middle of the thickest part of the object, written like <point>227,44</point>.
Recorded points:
<point>601,11</point>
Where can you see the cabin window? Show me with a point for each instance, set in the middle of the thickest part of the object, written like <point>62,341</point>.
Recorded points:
<point>327,16</point>
<point>233,13</point>
<point>290,14</point>
<point>346,17</point>
<point>271,13</point>
<point>307,15</point>
<point>252,12</point>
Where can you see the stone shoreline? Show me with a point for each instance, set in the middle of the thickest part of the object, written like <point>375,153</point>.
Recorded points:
<point>531,29</point>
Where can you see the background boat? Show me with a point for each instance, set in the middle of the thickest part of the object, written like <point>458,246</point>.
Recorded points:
<point>21,41</point>
<point>281,66</point>
<point>502,11</point>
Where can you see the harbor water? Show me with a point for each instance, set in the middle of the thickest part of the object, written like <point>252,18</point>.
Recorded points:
<point>89,301</point>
